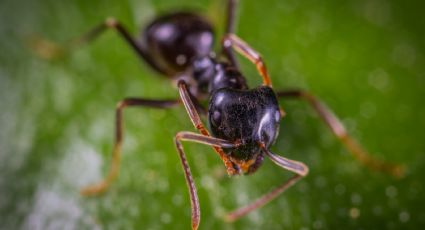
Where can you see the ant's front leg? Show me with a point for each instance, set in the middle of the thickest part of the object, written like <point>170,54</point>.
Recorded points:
<point>194,137</point>
<point>340,132</point>
<point>116,154</point>
<point>299,168</point>
<point>197,122</point>
<point>51,50</point>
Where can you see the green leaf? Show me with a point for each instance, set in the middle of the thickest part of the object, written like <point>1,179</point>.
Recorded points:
<point>364,59</point>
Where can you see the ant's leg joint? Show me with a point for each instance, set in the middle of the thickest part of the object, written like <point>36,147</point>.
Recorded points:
<point>111,22</point>
<point>121,104</point>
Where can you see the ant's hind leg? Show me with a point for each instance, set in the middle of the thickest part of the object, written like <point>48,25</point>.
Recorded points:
<point>230,29</point>
<point>231,16</point>
<point>50,50</point>
<point>116,154</point>
<point>340,132</point>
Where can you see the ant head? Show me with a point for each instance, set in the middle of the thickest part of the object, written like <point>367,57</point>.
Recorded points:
<point>246,117</point>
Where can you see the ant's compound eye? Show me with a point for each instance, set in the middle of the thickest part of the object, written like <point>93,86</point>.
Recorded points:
<point>269,126</point>
<point>216,118</point>
<point>277,116</point>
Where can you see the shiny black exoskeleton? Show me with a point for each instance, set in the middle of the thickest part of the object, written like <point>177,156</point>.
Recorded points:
<point>179,43</point>
<point>174,40</point>
<point>247,117</point>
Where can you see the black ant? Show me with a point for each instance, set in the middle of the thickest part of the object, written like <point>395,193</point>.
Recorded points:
<point>244,123</point>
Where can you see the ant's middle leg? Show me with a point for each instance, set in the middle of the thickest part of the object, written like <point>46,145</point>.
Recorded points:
<point>336,126</point>
<point>51,50</point>
<point>116,154</point>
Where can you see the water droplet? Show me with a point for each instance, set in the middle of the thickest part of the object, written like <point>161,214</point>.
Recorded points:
<point>166,218</point>
<point>318,224</point>
<point>133,210</point>
<point>340,189</point>
<point>391,191</point>
<point>377,12</point>
<point>379,79</point>
<point>377,210</point>
<point>53,209</point>
<point>404,55</point>
<point>368,109</point>
<point>356,198</point>
<point>342,212</point>
<point>325,207</point>
<point>354,213</point>
<point>207,182</point>
<point>320,182</point>
<point>162,185</point>
<point>404,216</point>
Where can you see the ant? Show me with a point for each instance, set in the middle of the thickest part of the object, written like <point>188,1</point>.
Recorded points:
<point>243,123</point>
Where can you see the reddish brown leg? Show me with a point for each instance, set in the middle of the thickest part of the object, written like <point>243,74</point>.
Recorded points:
<point>340,132</point>
<point>189,136</point>
<point>299,168</point>
<point>51,50</point>
<point>231,40</point>
<point>116,154</point>
<point>196,121</point>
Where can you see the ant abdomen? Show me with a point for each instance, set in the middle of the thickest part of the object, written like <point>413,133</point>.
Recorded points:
<point>174,40</point>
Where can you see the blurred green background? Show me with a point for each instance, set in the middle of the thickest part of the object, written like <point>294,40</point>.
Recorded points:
<point>364,58</point>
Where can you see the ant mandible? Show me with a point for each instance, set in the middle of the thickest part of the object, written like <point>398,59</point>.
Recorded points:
<point>244,123</point>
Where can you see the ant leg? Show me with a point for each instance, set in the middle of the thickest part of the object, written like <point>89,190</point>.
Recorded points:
<point>231,40</point>
<point>340,132</point>
<point>194,137</point>
<point>51,50</point>
<point>197,122</point>
<point>230,29</point>
<point>116,154</point>
<point>299,168</point>
<point>231,15</point>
